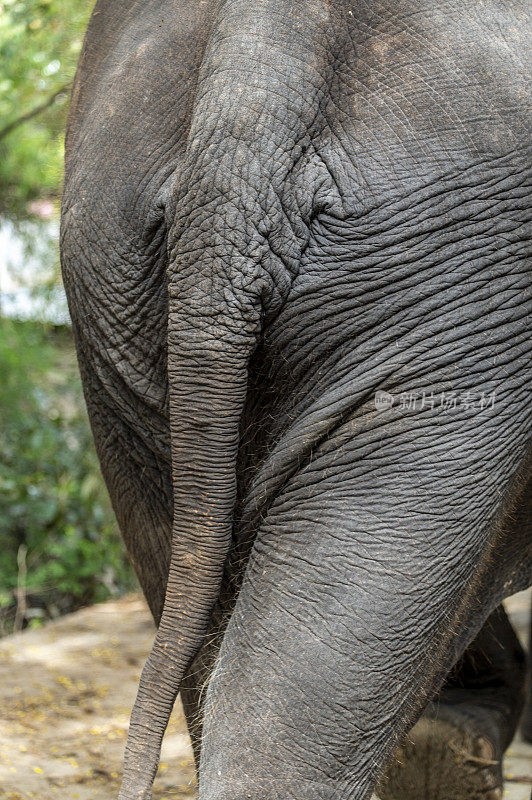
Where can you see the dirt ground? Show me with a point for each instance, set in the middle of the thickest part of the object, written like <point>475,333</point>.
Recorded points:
<point>66,691</point>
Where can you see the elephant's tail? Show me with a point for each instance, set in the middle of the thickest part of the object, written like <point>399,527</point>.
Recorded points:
<point>207,375</point>
<point>235,239</point>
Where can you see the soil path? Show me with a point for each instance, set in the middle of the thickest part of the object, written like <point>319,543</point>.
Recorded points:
<point>66,691</point>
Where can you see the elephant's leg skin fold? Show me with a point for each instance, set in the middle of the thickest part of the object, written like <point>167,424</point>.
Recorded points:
<point>356,604</point>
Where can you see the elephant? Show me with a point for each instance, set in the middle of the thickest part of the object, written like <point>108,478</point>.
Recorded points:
<point>293,242</point>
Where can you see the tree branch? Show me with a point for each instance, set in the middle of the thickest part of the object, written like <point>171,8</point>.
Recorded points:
<point>34,112</point>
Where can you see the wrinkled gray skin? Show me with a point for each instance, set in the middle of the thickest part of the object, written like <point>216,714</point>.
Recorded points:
<point>271,211</point>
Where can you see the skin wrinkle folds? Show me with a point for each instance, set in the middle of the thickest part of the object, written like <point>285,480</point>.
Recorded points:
<point>271,213</point>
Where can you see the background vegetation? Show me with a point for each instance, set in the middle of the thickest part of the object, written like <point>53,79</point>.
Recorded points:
<point>60,547</point>
<point>40,41</point>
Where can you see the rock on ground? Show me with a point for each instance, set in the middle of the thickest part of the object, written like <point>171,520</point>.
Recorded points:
<point>66,691</point>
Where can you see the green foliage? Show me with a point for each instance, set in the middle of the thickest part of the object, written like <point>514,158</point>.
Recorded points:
<point>40,41</point>
<point>52,500</point>
<point>60,545</point>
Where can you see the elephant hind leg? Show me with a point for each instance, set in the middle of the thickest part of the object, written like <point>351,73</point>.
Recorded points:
<point>135,463</point>
<point>455,750</point>
<point>444,759</point>
<point>526,725</point>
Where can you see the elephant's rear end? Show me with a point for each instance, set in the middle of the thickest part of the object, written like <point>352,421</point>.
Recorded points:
<point>303,288</point>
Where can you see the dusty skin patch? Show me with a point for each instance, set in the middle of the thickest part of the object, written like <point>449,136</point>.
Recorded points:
<point>66,691</point>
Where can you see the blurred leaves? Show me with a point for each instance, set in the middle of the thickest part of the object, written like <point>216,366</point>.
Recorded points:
<point>60,545</point>
<point>52,498</point>
<point>40,41</point>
